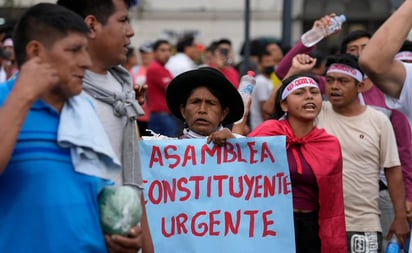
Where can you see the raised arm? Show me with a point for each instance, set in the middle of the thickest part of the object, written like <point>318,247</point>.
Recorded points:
<point>283,68</point>
<point>34,80</point>
<point>377,59</point>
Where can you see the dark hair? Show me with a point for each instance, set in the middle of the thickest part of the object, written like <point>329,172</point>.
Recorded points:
<point>45,23</point>
<point>263,54</point>
<point>278,113</point>
<point>130,52</point>
<point>224,41</point>
<point>184,42</point>
<point>406,46</point>
<point>215,92</point>
<point>101,9</point>
<point>255,46</point>
<point>345,59</point>
<point>319,55</point>
<point>351,37</point>
<point>283,48</point>
<point>212,47</point>
<point>158,43</point>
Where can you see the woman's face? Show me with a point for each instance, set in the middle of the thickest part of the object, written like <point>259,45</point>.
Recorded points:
<point>303,104</point>
<point>203,111</point>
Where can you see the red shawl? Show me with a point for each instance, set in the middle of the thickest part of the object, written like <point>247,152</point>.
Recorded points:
<point>322,152</point>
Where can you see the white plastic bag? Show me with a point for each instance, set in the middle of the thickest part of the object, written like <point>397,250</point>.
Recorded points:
<point>120,209</point>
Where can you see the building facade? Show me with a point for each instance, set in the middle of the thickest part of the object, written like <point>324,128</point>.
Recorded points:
<point>214,19</point>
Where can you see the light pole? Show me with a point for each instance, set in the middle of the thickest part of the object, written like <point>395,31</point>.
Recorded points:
<point>246,51</point>
<point>286,23</point>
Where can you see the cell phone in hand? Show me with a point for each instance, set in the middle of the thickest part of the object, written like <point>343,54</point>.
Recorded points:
<point>224,52</point>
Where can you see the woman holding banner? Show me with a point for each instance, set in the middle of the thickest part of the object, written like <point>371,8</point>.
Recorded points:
<point>200,98</point>
<point>315,164</point>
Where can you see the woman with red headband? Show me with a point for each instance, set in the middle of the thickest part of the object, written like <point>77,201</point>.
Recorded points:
<point>315,164</point>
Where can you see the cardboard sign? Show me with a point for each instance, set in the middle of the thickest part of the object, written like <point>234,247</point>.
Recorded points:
<point>204,198</point>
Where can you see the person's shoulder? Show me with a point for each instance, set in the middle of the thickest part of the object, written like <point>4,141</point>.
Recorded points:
<point>326,140</point>
<point>377,118</point>
<point>228,70</point>
<point>323,133</point>
<point>178,56</point>
<point>272,122</point>
<point>261,79</point>
<point>153,66</point>
<point>85,98</point>
<point>265,128</point>
<point>373,112</point>
<point>173,60</point>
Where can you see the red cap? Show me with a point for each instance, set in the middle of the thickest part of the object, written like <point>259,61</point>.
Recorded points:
<point>251,73</point>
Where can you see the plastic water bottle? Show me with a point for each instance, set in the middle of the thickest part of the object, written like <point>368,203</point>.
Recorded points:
<point>316,34</point>
<point>408,241</point>
<point>246,85</point>
<point>393,245</point>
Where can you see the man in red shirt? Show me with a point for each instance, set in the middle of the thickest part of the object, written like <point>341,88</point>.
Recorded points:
<point>158,78</point>
<point>223,60</point>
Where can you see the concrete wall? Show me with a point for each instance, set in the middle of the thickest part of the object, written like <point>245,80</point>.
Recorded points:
<point>212,19</point>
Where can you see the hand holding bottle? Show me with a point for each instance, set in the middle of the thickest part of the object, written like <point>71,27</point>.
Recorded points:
<point>247,83</point>
<point>326,26</point>
<point>393,245</point>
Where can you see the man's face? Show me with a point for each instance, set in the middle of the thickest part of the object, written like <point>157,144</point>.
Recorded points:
<point>355,47</point>
<point>147,58</point>
<point>114,36</point>
<point>303,104</point>
<point>192,51</point>
<point>275,51</point>
<point>162,53</point>
<point>10,51</point>
<point>341,90</point>
<point>225,53</point>
<point>267,64</point>
<point>133,60</point>
<point>70,58</point>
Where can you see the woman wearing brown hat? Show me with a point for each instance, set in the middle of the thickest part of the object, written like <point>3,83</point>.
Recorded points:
<point>205,100</point>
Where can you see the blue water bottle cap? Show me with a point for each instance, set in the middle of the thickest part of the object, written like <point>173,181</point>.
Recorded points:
<point>342,18</point>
